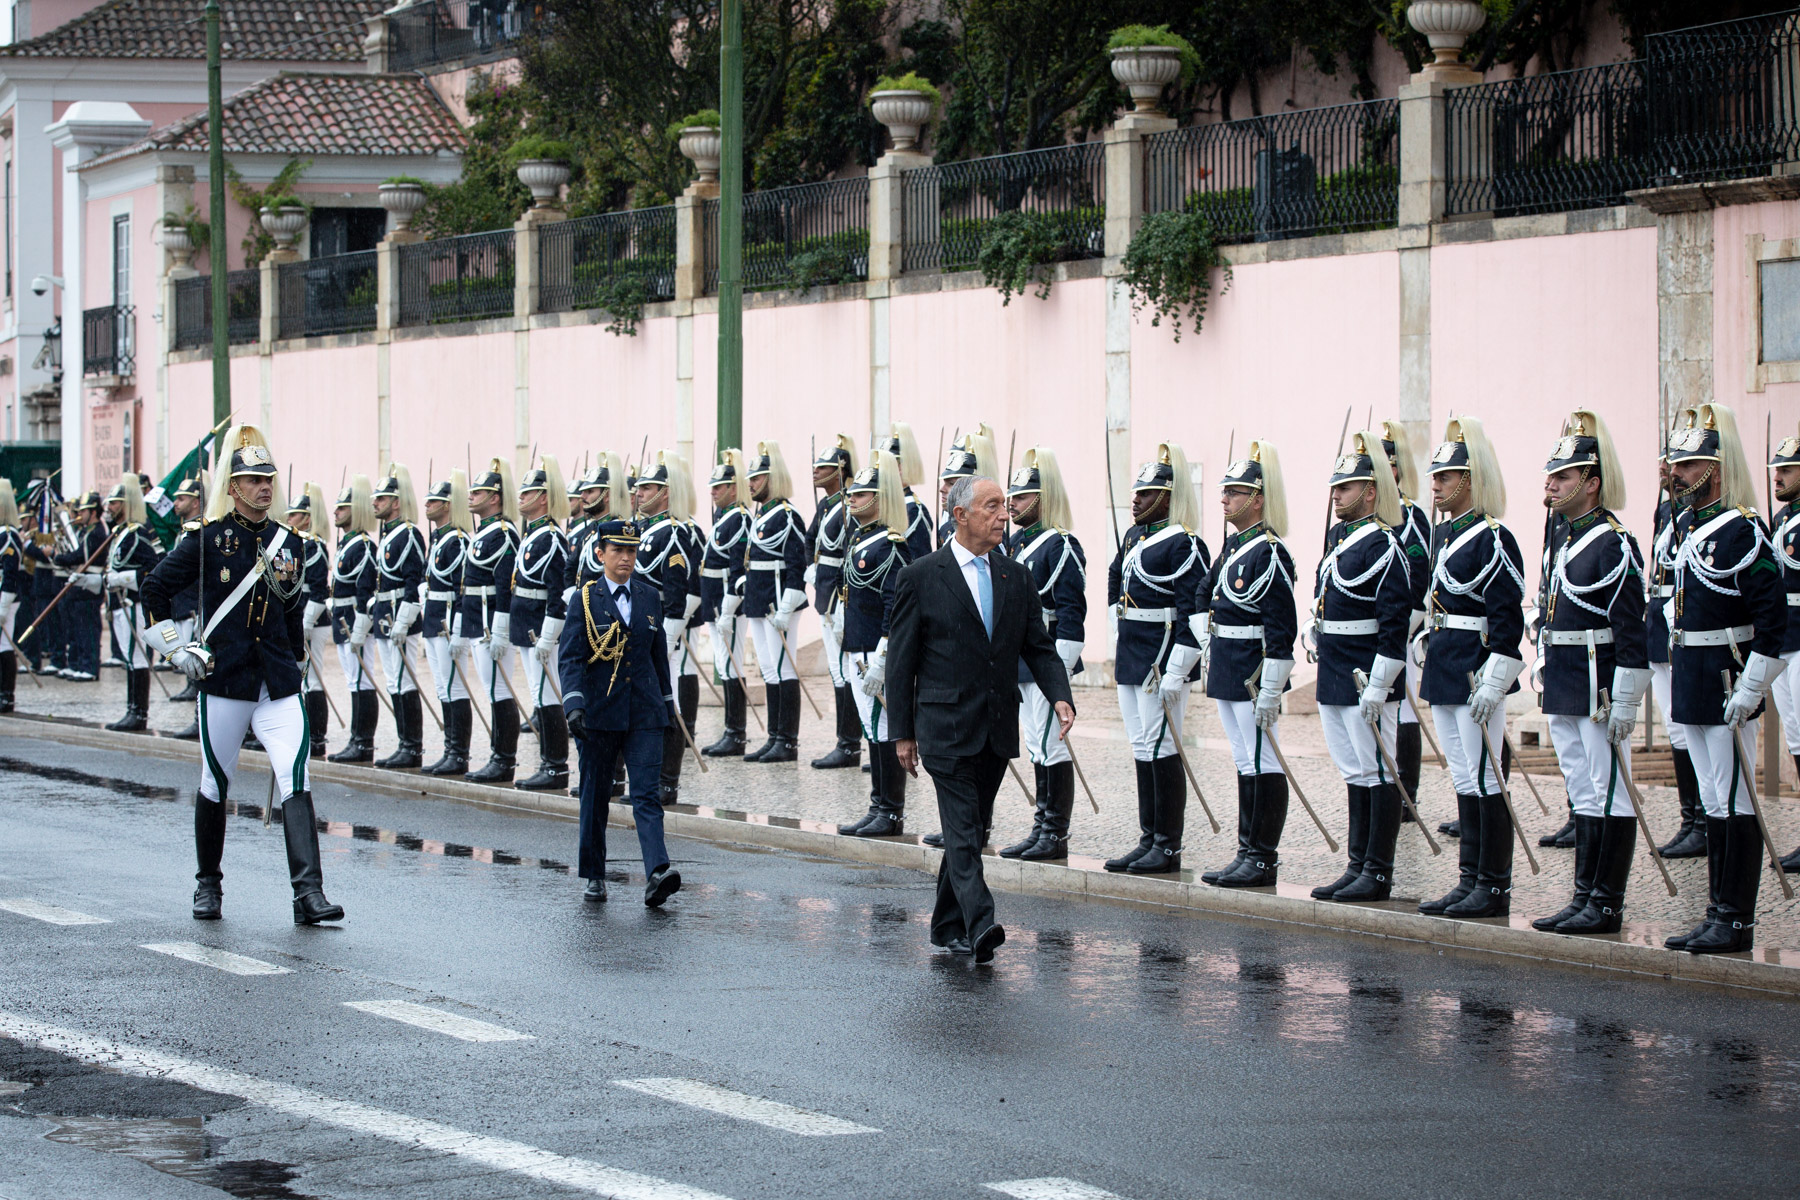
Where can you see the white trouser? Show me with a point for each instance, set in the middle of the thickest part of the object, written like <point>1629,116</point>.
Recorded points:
<point>1661,686</point>
<point>832,649</point>
<point>1466,752</point>
<point>7,613</point>
<point>1596,783</point>
<point>444,675</point>
<point>727,640</point>
<point>1787,700</point>
<point>771,655</point>
<point>493,667</point>
<point>1724,790</point>
<point>537,680</point>
<point>681,660</point>
<point>1039,726</point>
<point>128,628</point>
<point>1250,751</point>
<point>280,725</point>
<point>1351,742</point>
<point>872,712</point>
<point>357,672</point>
<point>318,645</point>
<point>1152,734</point>
<point>399,679</point>
<point>1415,675</point>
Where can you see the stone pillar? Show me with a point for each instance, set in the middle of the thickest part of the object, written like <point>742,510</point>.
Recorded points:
<point>1125,177</point>
<point>378,44</point>
<point>1684,308</point>
<point>691,253</point>
<point>528,261</point>
<point>269,327</point>
<point>387,285</point>
<point>887,214</point>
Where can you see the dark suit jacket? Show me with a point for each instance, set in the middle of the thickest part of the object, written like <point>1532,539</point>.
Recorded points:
<point>948,685</point>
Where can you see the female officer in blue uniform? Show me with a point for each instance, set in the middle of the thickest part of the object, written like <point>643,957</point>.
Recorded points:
<point>394,611</point>
<point>352,591</point>
<point>447,508</point>
<point>1362,608</point>
<point>826,540</point>
<point>722,592</point>
<point>315,621</point>
<point>1475,621</point>
<point>774,590</point>
<point>1245,624</point>
<point>1150,590</point>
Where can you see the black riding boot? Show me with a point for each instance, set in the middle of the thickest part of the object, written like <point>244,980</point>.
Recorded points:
<point>1164,856</point>
<point>209,849</point>
<point>1468,856</point>
<point>1357,843</point>
<point>848,751</point>
<point>297,823</point>
<point>1492,896</point>
<point>1715,870</point>
<point>186,695</point>
<point>553,756</point>
<point>1790,863</point>
<point>1690,840</point>
<point>316,713</point>
<point>9,678</point>
<point>137,703</point>
<point>773,696</point>
<point>1563,838</point>
<point>889,817</point>
<point>361,746</point>
<point>1408,753</point>
<point>1146,805</point>
<point>1058,808</point>
<point>855,828</point>
<point>1612,866</point>
<point>787,743</point>
<point>505,754</point>
<point>1377,879</point>
<point>1030,839</point>
<point>1740,870</point>
<point>1587,861</point>
<point>409,722</point>
<point>675,747</point>
<point>1246,806</point>
<point>731,742</point>
<point>455,760</point>
<point>1267,820</point>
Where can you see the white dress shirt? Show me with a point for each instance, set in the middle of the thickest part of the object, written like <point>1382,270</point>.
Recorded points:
<point>622,603</point>
<point>965,559</point>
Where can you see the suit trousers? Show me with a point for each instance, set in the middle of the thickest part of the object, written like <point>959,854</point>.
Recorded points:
<point>966,787</point>
<point>600,751</point>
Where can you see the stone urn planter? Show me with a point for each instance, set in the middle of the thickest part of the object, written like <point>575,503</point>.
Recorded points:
<point>402,200</point>
<point>177,241</point>
<point>904,112</point>
<point>545,177</point>
<point>284,224</point>
<point>1446,24</point>
<point>1145,71</point>
<point>700,145</point>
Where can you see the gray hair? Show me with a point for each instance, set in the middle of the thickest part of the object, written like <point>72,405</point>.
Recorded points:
<point>962,492</point>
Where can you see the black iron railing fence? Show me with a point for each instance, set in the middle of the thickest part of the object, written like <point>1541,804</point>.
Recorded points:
<point>457,278</point>
<point>1287,174</point>
<point>581,260</point>
<point>109,340</point>
<point>946,209</point>
<point>1725,98</point>
<point>322,296</point>
<point>807,235</point>
<point>193,309</point>
<point>435,31</point>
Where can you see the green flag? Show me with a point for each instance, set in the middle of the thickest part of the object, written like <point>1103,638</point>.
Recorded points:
<point>159,505</point>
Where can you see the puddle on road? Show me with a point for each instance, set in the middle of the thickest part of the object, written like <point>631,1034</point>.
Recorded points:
<point>180,1146</point>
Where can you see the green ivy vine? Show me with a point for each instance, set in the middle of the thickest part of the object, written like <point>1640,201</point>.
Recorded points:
<point>1018,252</point>
<point>1169,268</point>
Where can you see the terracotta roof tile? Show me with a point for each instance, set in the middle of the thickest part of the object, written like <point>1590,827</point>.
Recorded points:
<point>250,30</point>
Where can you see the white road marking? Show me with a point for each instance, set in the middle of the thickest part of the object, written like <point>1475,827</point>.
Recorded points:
<point>438,1021</point>
<point>1050,1189</point>
<point>498,1153</point>
<point>772,1113</point>
<point>209,956</point>
<point>50,914</point>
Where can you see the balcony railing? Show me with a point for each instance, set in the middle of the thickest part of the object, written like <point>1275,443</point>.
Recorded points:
<point>435,31</point>
<point>109,340</point>
<point>1725,98</point>
<point>327,295</point>
<point>947,208</point>
<point>1284,175</point>
<point>582,260</point>
<point>193,309</point>
<point>462,278</point>
<point>808,235</point>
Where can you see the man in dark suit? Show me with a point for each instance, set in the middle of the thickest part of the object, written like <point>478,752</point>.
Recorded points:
<point>964,619</point>
<point>614,663</point>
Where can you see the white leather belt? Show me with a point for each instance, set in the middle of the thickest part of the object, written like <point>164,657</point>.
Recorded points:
<point>444,597</point>
<point>1162,616</point>
<point>831,560</point>
<point>715,572</point>
<point>1452,621</point>
<point>1713,637</point>
<point>390,596</point>
<point>1349,628</point>
<point>1794,599</point>
<point>346,602</point>
<point>765,564</point>
<point>529,593</point>
<point>1578,637</point>
<point>1238,633</point>
<point>1665,590</point>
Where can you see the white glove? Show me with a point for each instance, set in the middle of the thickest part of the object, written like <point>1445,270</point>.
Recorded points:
<point>1415,621</point>
<point>549,638</point>
<point>691,607</point>
<point>1752,686</point>
<point>812,574</point>
<point>188,663</point>
<point>165,638</point>
<point>499,630</point>
<point>1275,672</point>
<point>90,581</point>
<point>1069,652</point>
<point>728,607</point>
<point>1627,693</point>
<point>1175,675</point>
<point>314,610</point>
<point>837,622</point>
<point>405,617</point>
<point>780,620</point>
<point>359,631</point>
<point>790,602</point>
<point>1381,681</point>
<point>1498,674</point>
<point>121,581</point>
<point>874,680</point>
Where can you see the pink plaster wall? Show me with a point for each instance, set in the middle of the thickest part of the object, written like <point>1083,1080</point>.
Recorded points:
<point>323,413</point>
<point>52,14</point>
<point>1734,331</point>
<point>426,431</point>
<point>592,391</point>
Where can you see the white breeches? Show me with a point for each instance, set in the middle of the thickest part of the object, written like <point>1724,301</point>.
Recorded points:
<point>318,645</point>
<point>1250,746</point>
<point>771,656</point>
<point>449,684</point>
<point>128,627</point>
<point>357,671</point>
<point>1040,728</point>
<point>1724,790</point>
<point>280,725</point>
<point>1152,734</point>
<point>832,650</point>
<point>1595,781</point>
<point>399,679</point>
<point>872,712</point>
<point>1415,675</point>
<point>1351,742</point>
<point>727,640</point>
<point>493,668</point>
<point>8,611</point>
<point>1472,769</point>
<point>1661,685</point>
<point>681,661</point>
<point>1787,700</point>
<point>537,680</point>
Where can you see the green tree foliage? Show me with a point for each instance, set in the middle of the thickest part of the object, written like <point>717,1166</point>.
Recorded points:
<point>257,241</point>
<point>489,194</point>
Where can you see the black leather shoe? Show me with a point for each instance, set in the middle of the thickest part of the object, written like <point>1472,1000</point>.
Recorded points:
<point>1484,900</point>
<point>1562,839</point>
<point>547,779</point>
<point>855,828</point>
<point>665,883</point>
<point>595,892</point>
<point>934,840</point>
<point>1048,847</point>
<point>1124,861</point>
<point>1253,872</point>
<point>990,940</point>
<point>1791,863</point>
<point>1690,844</point>
<point>496,771</point>
<point>1329,890</point>
<point>1155,861</point>
<point>313,909</point>
<point>840,757</point>
<point>1680,941</point>
<point>190,734</point>
<point>881,825</point>
<point>1723,937</point>
<point>132,722</point>
<point>208,898</point>
<point>1451,829</point>
<point>729,745</point>
<point>958,946</point>
<point>782,751</point>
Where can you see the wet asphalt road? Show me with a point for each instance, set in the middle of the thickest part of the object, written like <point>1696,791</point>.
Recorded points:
<point>1132,1051</point>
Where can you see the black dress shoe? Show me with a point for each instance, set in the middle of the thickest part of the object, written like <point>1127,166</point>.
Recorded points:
<point>595,892</point>
<point>665,883</point>
<point>934,840</point>
<point>190,734</point>
<point>1155,861</point>
<point>1124,861</point>
<point>958,946</point>
<point>313,909</point>
<point>1562,839</point>
<point>207,900</point>
<point>1790,863</point>
<point>841,756</point>
<point>728,746</point>
<point>1047,848</point>
<point>881,825</point>
<point>855,828</point>
<point>1450,828</point>
<point>989,940</point>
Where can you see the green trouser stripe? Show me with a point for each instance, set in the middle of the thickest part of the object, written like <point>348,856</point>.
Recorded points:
<point>1256,757</point>
<point>1380,759</point>
<point>299,772</point>
<point>874,718</point>
<point>1737,767</point>
<point>1481,764</point>
<point>1612,781</point>
<point>212,763</point>
<point>1044,741</point>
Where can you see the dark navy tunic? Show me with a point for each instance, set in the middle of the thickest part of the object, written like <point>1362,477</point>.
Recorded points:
<point>871,578</point>
<point>826,540</point>
<point>1725,579</point>
<point>487,575</point>
<point>1593,580</point>
<point>352,583</point>
<point>133,549</point>
<point>776,560</point>
<point>722,569</point>
<point>443,580</point>
<point>1787,556</point>
<point>315,572</point>
<point>694,538</point>
<point>1058,569</point>
<point>616,672</point>
<point>399,570</point>
<point>918,528</point>
<point>1414,536</point>
<point>1365,578</point>
<point>1661,583</point>
<point>580,533</point>
<point>1250,586</point>
<point>13,577</point>
<point>1151,587</point>
<point>537,576</point>
<point>1476,578</point>
<point>664,563</point>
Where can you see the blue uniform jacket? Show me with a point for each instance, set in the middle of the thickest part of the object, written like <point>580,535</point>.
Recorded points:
<point>315,571</point>
<point>875,558</point>
<point>1725,578</point>
<point>1787,556</point>
<point>1058,568</point>
<point>776,560</point>
<point>443,579</point>
<point>13,579</point>
<point>613,672</point>
<point>352,583</point>
<point>1365,576</point>
<point>135,550</point>
<point>1151,587</point>
<point>487,576</point>
<point>918,528</point>
<point>1593,579</point>
<point>663,562</point>
<point>826,540</point>
<point>722,570</point>
<point>1251,585</point>
<point>537,577</point>
<point>399,570</point>
<point>1477,576</point>
<point>1414,535</point>
<point>1660,583</point>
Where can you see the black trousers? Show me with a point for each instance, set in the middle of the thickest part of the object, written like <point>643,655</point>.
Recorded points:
<point>966,788</point>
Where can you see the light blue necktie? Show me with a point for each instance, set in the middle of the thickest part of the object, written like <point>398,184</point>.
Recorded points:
<point>985,585</point>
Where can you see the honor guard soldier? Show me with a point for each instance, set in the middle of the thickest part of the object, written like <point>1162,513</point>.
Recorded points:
<point>774,590</point>
<point>604,497</point>
<point>722,592</point>
<point>901,443</point>
<point>666,561</point>
<point>1042,544</point>
<point>1591,645</point>
<point>315,621</point>
<point>1414,535</point>
<point>131,556</point>
<point>614,664</point>
<point>1245,623</point>
<point>1150,588</point>
<point>1730,621</point>
<point>1474,623</point>
<point>971,454</point>
<point>484,620</point>
<point>189,501</point>
<point>37,527</point>
<point>535,621</point>
<point>1659,612</point>
<point>14,580</point>
<point>1362,610</point>
<point>827,538</point>
<point>1785,467</point>
<point>352,592</point>
<point>247,660</point>
<point>447,508</point>
<point>81,610</point>
<point>394,613</point>
<point>877,552</point>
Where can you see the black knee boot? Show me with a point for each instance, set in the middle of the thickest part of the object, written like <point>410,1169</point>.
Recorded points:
<point>1715,870</point>
<point>1690,840</point>
<point>409,723</point>
<point>855,828</point>
<point>1018,848</point>
<point>553,757</point>
<point>1408,753</point>
<point>1246,788</point>
<point>1059,807</point>
<point>137,703</point>
<point>1492,896</point>
<point>1740,871</point>
<point>848,751</point>
<point>1146,805</point>
<point>1376,882</point>
<point>209,849</point>
<point>1268,818</point>
<point>1468,855</point>
<point>1356,842</point>
<point>731,742</point>
<point>505,755</point>
<point>889,817</point>
<point>316,712</point>
<point>772,695</point>
<point>455,759</point>
<point>302,834</point>
<point>1587,861</point>
<point>9,678</point>
<point>787,744</point>
<point>1164,856</point>
<point>361,746</point>
<point>1612,865</point>
<point>1789,863</point>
